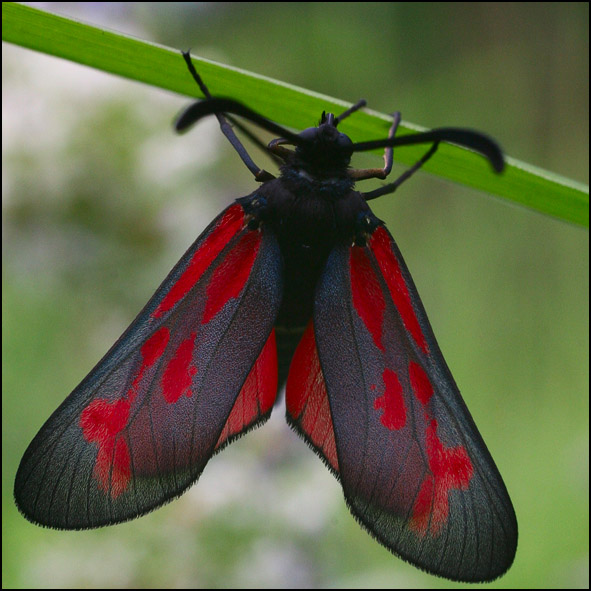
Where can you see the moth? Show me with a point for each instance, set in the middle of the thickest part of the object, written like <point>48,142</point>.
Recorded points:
<point>296,283</point>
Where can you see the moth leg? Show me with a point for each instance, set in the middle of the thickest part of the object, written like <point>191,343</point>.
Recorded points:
<point>391,187</point>
<point>380,173</point>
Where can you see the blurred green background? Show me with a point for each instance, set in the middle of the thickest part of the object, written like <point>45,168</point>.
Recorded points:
<point>100,199</point>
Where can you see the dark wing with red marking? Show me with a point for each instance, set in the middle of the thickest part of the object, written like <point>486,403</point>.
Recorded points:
<point>197,368</point>
<point>379,404</point>
<point>306,400</point>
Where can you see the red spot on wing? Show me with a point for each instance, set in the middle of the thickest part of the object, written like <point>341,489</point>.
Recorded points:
<point>153,348</point>
<point>101,422</point>
<point>368,298</point>
<point>231,275</point>
<point>421,385</point>
<point>231,222</point>
<point>151,351</point>
<point>421,512</point>
<point>386,258</point>
<point>178,373</point>
<point>307,400</point>
<point>450,468</point>
<point>257,395</point>
<point>113,466</point>
<point>391,401</point>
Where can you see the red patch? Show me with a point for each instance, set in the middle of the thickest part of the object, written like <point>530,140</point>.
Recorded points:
<point>151,351</point>
<point>113,467</point>
<point>153,348</point>
<point>230,276</point>
<point>380,245</point>
<point>178,374</point>
<point>421,511</point>
<point>231,222</point>
<point>258,394</point>
<point>101,422</point>
<point>421,386</point>
<point>368,298</point>
<point>306,398</point>
<point>450,468</point>
<point>392,402</point>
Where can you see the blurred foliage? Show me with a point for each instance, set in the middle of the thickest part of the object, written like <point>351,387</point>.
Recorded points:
<point>100,199</point>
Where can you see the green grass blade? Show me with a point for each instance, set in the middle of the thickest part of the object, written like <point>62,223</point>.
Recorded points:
<point>288,105</point>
